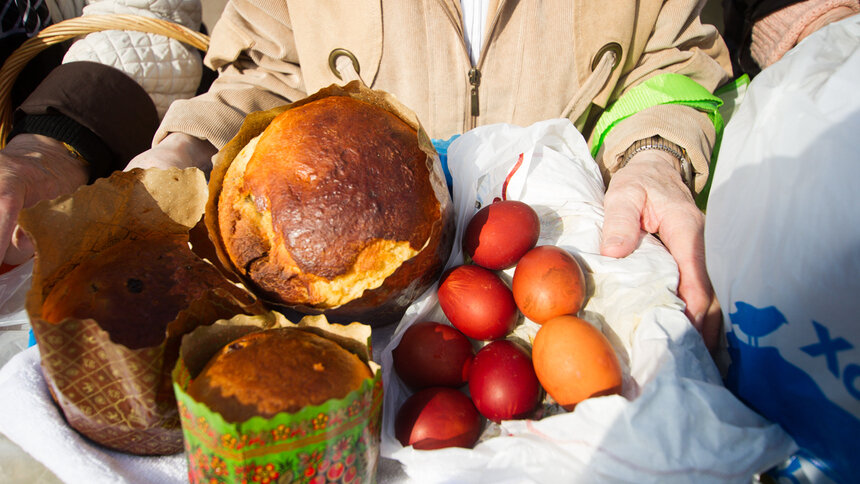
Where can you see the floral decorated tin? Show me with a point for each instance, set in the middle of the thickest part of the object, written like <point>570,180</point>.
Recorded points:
<point>337,441</point>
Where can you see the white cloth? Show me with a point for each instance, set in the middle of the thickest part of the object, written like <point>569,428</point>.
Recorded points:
<point>474,24</point>
<point>29,418</point>
<point>167,69</point>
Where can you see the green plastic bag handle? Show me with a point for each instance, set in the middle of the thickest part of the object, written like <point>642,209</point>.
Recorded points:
<point>668,88</point>
<point>729,91</point>
<point>661,89</point>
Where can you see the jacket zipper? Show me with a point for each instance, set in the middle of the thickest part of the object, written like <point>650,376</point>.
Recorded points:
<point>475,81</point>
<point>474,72</point>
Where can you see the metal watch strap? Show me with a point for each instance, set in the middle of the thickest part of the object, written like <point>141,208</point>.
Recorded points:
<point>660,143</point>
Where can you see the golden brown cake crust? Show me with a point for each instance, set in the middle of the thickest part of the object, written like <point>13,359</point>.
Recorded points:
<point>133,289</point>
<point>277,370</point>
<point>336,176</point>
<point>338,197</point>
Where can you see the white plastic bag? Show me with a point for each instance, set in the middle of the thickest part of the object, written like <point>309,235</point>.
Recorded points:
<point>675,421</point>
<point>783,249</point>
<point>14,322</point>
<point>13,290</point>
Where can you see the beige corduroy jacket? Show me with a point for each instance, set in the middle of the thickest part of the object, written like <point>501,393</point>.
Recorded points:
<point>541,59</point>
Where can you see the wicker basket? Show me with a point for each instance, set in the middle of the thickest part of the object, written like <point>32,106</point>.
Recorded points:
<point>75,27</point>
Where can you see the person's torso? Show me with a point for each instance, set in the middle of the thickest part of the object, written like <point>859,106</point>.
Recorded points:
<point>534,59</point>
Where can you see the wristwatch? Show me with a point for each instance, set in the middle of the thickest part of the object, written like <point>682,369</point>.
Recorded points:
<point>688,175</point>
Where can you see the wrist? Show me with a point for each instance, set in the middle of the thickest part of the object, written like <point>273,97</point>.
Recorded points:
<point>39,155</point>
<point>660,148</point>
<point>197,152</point>
<point>83,142</point>
<point>42,147</point>
<point>655,156</point>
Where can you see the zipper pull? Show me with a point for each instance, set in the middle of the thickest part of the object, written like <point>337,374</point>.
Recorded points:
<point>475,81</point>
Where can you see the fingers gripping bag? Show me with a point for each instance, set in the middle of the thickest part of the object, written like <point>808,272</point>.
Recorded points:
<point>783,251</point>
<point>673,420</point>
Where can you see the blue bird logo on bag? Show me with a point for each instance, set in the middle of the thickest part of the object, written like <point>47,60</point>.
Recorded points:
<point>773,381</point>
<point>755,322</point>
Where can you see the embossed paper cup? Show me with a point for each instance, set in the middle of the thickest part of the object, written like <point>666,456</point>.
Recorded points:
<point>109,335</point>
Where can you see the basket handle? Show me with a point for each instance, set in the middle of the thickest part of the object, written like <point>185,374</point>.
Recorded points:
<point>75,27</point>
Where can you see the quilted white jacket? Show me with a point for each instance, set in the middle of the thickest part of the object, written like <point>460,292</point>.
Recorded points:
<point>167,69</point>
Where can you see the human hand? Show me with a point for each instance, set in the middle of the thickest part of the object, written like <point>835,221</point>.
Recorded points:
<point>32,168</point>
<point>648,194</point>
<point>177,150</point>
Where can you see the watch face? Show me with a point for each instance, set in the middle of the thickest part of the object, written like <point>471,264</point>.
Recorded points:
<point>688,174</point>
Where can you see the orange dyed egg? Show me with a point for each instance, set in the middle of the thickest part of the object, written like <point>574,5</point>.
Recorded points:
<point>574,361</point>
<point>548,282</point>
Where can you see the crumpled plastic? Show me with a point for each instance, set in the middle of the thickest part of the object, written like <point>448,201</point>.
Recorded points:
<point>673,422</point>
<point>783,250</point>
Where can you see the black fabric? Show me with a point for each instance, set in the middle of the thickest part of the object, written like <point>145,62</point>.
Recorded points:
<point>207,77</point>
<point>103,100</point>
<point>20,20</point>
<point>739,17</point>
<point>35,71</point>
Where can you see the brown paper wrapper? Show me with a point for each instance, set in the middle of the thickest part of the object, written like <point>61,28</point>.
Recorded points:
<point>120,395</point>
<point>376,307</point>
